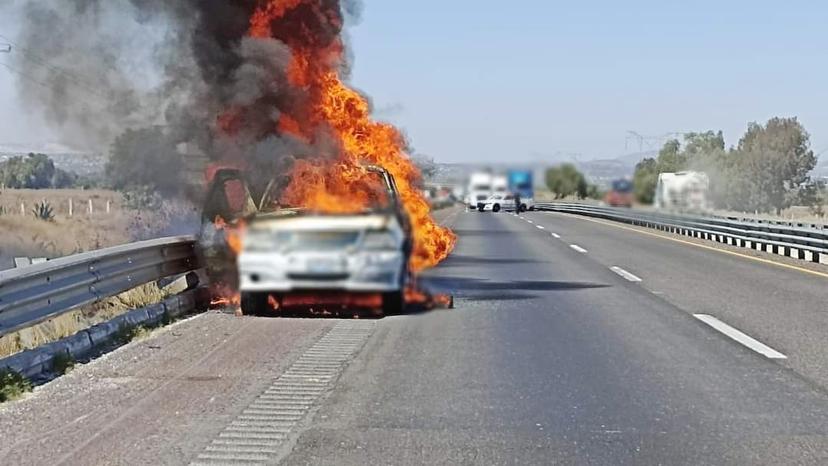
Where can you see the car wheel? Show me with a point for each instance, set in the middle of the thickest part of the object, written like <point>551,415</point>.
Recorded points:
<point>523,207</point>
<point>393,303</point>
<point>254,304</point>
<point>496,208</point>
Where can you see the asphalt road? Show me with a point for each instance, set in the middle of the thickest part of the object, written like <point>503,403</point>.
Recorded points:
<point>550,357</point>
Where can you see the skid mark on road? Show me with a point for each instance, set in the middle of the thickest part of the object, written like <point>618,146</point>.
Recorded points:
<point>741,337</point>
<point>259,432</point>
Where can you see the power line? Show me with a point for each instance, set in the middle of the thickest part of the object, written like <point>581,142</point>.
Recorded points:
<point>34,58</point>
<point>42,83</point>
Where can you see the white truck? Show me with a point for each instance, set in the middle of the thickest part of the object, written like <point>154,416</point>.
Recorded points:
<point>684,191</point>
<point>500,185</point>
<point>479,189</point>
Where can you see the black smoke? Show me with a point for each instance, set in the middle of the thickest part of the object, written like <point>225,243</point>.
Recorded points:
<point>96,68</point>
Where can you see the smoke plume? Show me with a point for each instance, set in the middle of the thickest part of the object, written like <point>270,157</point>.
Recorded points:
<point>98,67</point>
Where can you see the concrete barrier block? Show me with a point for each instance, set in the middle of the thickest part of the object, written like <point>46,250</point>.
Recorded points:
<point>188,301</point>
<point>101,333</point>
<point>29,363</point>
<point>78,345</point>
<point>155,313</point>
<point>136,317</point>
<point>173,306</point>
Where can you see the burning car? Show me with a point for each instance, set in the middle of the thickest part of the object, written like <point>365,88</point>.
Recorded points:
<point>292,256</point>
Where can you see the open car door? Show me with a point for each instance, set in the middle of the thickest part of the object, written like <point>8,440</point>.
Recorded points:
<point>228,197</point>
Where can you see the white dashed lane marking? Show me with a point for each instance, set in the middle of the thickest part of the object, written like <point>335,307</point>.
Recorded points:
<point>540,227</point>
<point>625,274</point>
<point>578,248</point>
<point>555,235</point>
<point>741,337</point>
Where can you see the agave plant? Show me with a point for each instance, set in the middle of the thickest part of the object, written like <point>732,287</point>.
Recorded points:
<point>43,211</point>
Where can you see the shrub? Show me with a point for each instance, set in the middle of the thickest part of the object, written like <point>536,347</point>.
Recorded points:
<point>43,211</point>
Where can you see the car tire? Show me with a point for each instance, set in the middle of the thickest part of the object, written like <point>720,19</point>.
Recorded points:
<point>523,207</point>
<point>254,304</point>
<point>496,208</point>
<point>393,303</point>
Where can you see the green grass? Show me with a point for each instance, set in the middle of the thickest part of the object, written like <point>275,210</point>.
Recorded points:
<point>63,363</point>
<point>128,334</point>
<point>12,385</point>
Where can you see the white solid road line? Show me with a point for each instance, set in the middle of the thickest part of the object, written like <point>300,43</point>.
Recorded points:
<point>578,248</point>
<point>742,338</point>
<point>625,274</point>
<point>556,235</point>
<point>540,227</point>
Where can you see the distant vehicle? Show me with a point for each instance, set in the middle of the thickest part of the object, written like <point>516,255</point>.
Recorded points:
<point>497,202</point>
<point>500,185</point>
<point>520,182</point>
<point>620,194</point>
<point>682,191</point>
<point>479,189</point>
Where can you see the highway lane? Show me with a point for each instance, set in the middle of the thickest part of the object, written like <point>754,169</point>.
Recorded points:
<point>784,308</point>
<point>550,357</point>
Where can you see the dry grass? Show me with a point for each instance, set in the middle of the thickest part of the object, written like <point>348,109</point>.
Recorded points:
<point>27,236</point>
<point>10,200</point>
<point>791,214</point>
<point>72,322</point>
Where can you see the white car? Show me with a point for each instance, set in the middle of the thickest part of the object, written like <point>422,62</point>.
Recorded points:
<point>497,202</point>
<point>289,253</point>
<point>355,253</point>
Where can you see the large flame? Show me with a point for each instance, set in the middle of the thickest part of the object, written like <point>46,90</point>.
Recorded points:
<point>339,185</point>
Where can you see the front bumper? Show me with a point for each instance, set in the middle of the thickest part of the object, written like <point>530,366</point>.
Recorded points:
<point>366,271</point>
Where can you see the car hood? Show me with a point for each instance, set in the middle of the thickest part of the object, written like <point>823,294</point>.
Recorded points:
<point>299,222</point>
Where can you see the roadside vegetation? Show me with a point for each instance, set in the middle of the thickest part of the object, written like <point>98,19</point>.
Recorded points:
<point>12,385</point>
<point>565,181</point>
<point>766,172</point>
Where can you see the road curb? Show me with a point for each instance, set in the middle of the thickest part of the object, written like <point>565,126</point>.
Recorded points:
<point>37,363</point>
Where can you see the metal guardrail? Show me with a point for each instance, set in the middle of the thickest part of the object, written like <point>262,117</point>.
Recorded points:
<point>808,243</point>
<point>39,292</point>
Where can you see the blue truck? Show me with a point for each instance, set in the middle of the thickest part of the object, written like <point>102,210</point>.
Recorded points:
<point>520,182</point>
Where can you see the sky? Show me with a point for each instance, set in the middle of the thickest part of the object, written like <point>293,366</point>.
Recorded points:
<point>532,81</point>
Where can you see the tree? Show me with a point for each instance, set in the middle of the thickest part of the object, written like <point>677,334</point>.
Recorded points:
<point>145,157</point>
<point>35,171</point>
<point>565,180</point>
<point>775,159</point>
<point>644,180</point>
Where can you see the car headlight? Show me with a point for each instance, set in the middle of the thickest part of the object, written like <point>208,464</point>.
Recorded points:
<point>379,240</point>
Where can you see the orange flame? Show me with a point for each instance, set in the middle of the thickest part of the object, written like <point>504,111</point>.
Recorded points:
<point>232,233</point>
<point>338,185</point>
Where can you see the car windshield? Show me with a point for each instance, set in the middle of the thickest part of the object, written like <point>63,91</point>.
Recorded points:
<point>368,192</point>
